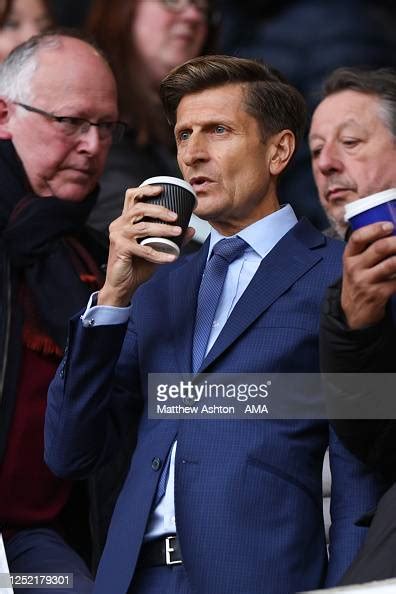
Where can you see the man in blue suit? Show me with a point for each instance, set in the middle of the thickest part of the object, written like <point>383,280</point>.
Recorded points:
<point>212,506</point>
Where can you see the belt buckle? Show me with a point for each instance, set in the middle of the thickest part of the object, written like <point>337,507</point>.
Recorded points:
<point>169,550</point>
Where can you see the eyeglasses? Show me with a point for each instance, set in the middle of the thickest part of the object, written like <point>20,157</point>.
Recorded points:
<point>74,127</point>
<point>179,5</point>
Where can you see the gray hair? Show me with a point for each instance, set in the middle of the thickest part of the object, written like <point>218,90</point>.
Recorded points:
<point>380,83</point>
<point>17,70</point>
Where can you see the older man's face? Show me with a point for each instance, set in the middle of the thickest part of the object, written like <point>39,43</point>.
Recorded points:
<point>353,151</point>
<point>70,81</point>
<point>222,154</point>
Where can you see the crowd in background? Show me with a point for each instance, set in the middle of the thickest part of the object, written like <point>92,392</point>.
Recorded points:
<point>304,39</point>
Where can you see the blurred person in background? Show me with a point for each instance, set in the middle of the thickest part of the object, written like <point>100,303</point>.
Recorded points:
<point>21,19</point>
<point>144,41</point>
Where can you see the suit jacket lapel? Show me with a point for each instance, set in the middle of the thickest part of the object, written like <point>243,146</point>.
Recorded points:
<point>288,261</point>
<point>184,282</point>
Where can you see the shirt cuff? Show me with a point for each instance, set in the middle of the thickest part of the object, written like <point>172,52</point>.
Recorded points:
<point>103,315</point>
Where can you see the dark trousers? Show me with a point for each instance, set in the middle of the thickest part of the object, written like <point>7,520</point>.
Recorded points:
<point>44,551</point>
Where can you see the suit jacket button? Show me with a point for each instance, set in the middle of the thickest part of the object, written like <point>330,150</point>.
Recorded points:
<point>156,463</point>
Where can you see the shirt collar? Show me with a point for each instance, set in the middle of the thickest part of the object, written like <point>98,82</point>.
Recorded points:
<point>264,234</point>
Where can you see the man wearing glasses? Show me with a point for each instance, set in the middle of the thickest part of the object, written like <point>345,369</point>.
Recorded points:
<point>58,117</point>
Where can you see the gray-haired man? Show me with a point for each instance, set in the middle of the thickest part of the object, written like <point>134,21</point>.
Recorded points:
<point>58,115</point>
<point>353,139</point>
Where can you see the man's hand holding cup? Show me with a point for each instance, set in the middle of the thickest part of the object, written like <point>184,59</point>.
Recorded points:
<point>150,231</point>
<point>369,276</point>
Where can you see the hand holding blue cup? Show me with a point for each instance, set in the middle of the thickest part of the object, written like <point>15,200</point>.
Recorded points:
<point>372,209</point>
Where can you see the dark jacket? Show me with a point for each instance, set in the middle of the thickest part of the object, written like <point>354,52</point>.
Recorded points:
<point>354,400</point>
<point>368,357</point>
<point>246,492</point>
<point>41,262</point>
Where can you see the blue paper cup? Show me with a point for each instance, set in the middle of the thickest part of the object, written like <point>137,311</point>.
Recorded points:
<point>372,209</point>
<point>179,196</point>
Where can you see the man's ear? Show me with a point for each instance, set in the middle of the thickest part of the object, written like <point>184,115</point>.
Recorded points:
<point>282,147</point>
<point>5,133</point>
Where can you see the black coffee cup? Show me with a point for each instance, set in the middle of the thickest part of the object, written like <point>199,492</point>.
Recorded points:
<point>178,196</point>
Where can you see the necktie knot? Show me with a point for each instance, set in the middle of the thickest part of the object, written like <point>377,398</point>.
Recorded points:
<point>230,249</point>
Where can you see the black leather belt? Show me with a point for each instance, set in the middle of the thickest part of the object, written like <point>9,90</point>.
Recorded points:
<point>162,551</point>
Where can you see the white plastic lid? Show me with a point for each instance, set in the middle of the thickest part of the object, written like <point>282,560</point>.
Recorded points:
<point>362,204</point>
<point>162,244</point>
<point>167,179</point>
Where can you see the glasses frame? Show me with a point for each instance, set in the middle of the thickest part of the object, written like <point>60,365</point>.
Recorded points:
<point>82,124</point>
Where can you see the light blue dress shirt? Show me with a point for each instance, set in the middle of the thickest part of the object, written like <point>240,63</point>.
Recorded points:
<point>261,237</point>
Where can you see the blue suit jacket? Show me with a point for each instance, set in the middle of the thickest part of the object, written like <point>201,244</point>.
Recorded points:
<point>247,492</point>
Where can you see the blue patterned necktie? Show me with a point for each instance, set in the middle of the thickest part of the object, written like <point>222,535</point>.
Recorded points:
<point>224,252</point>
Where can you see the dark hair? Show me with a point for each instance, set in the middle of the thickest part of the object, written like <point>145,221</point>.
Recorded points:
<point>111,23</point>
<point>380,83</point>
<point>269,98</point>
